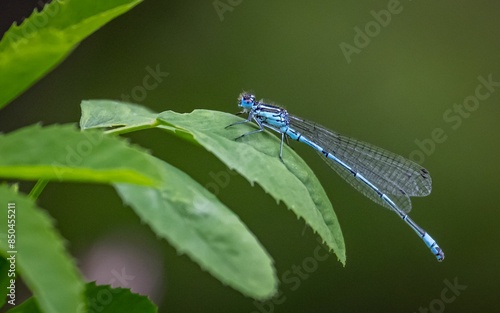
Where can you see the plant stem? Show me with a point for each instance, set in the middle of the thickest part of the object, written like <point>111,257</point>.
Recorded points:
<point>129,129</point>
<point>37,190</point>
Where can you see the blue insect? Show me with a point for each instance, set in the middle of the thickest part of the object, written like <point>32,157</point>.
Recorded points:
<point>384,177</point>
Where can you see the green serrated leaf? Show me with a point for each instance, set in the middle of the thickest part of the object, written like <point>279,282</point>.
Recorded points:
<point>196,223</point>
<point>109,114</point>
<point>256,158</point>
<point>102,299</point>
<point>61,152</point>
<point>41,259</point>
<point>43,40</point>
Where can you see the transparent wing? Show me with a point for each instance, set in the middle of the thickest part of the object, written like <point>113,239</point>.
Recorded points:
<point>397,177</point>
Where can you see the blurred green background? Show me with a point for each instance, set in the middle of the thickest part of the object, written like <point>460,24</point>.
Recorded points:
<point>404,90</point>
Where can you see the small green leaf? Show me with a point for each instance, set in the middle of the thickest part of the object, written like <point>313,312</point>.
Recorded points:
<point>30,50</point>
<point>61,152</point>
<point>41,258</point>
<point>108,113</point>
<point>131,117</point>
<point>111,300</point>
<point>102,299</point>
<point>196,223</point>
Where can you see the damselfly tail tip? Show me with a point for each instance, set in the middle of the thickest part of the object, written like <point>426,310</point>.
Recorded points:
<point>432,244</point>
<point>439,254</point>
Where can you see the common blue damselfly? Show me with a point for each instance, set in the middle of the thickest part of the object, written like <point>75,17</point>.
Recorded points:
<point>384,177</point>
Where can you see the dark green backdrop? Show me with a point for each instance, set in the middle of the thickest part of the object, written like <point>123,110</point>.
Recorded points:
<point>409,85</point>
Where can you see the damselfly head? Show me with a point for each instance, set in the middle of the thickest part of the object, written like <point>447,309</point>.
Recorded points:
<point>246,100</point>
